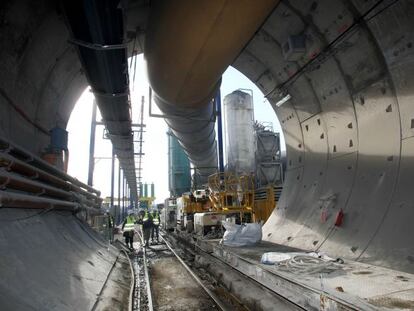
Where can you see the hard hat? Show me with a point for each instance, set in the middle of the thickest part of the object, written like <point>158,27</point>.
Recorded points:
<point>130,212</point>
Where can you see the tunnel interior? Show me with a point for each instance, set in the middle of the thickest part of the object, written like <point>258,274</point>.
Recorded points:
<point>348,125</point>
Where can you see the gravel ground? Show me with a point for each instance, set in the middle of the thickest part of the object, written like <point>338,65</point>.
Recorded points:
<point>174,289</point>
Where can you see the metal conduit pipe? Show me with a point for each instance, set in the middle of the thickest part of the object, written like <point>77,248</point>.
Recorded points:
<point>28,169</point>
<point>12,149</point>
<point>13,181</point>
<point>189,45</point>
<point>24,183</point>
<point>20,200</point>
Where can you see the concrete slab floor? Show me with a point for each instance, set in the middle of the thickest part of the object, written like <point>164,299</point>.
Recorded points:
<point>354,284</point>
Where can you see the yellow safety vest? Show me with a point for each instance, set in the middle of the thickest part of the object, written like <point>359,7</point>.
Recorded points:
<point>156,221</point>
<point>130,224</point>
<point>145,217</point>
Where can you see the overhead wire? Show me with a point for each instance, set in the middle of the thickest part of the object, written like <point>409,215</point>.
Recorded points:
<point>23,114</point>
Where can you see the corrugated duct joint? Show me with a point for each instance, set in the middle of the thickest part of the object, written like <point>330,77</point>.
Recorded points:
<point>189,44</point>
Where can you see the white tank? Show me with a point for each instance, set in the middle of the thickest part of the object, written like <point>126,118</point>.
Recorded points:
<point>239,132</point>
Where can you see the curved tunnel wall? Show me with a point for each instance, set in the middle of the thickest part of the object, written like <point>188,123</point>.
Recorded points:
<point>40,72</point>
<point>349,129</point>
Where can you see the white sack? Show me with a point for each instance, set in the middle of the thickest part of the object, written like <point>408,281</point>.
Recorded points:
<point>241,235</point>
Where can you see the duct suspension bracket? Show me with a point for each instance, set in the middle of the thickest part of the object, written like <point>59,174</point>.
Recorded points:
<point>98,47</point>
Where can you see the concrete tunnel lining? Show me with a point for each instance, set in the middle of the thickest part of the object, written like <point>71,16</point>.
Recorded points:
<point>348,130</point>
<point>58,264</point>
<point>363,93</point>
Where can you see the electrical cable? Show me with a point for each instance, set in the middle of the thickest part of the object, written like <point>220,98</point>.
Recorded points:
<point>23,114</point>
<point>382,10</point>
<point>28,217</point>
<point>308,264</point>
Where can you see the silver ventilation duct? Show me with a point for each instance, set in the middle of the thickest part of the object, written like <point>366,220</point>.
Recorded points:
<point>189,45</point>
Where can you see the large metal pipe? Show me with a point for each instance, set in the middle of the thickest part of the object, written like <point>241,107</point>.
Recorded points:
<point>28,182</point>
<point>20,200</point>
<point>12,149</point>
<point>185,71</point>
<point>14,181</point>
<point>33,172</point>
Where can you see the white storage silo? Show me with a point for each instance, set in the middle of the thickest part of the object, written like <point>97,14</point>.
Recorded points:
<point>239,132</point>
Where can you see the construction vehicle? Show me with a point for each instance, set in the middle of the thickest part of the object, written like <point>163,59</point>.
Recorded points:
<point>168,215</point>
<point>188,205</point>
<point>232,195</point>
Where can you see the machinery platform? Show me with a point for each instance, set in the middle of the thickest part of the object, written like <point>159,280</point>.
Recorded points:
<point>351,286</point>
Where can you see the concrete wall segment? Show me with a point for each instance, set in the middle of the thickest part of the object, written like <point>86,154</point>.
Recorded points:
<point>38,68</point>
<point>363,94</point>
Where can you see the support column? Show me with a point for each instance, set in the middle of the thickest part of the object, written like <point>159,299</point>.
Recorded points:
<point>92,146</point>
<point>119,192</point>
<point>219,132</point>
<point>123,197</point>
<point>112,176</point>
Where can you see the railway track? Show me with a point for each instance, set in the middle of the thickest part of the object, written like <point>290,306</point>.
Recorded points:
<point>145,261</point>
<point>245,291</point>
<point>142,299</point>
<point>176,275</point>
<point>220,305</point>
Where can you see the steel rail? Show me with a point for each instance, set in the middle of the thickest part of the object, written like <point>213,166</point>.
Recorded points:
<point>149,292</point>
<point>213,296</point>
<point>133,282</point>
<point>147,282</point>
<point>205,254</point>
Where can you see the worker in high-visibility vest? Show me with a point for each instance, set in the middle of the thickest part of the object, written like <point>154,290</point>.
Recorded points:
<point>128,226</point>
<point>156,226</point>
<point>146,226</point>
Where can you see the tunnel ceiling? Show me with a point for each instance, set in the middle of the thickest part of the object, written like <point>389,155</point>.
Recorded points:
<point>348,126</point>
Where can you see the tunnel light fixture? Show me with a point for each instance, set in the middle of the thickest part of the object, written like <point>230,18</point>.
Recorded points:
<point>283,100</point>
